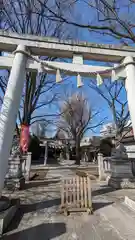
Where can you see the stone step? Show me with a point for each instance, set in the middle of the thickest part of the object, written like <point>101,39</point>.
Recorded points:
<point>130,202</point>
<point>120,220</point>
<point>7,215</point>
<point>104,230</point>
<point>127,210</point>
<point>96,228</point>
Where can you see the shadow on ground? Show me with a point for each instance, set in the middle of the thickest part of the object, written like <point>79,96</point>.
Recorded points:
<point>103,190</point>
<point>98,205</point>
<point>45,231</point>
<point>31,207</point>
<point>39,183</point>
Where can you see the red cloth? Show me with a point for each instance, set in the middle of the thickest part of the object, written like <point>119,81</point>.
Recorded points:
<point>24,138</point>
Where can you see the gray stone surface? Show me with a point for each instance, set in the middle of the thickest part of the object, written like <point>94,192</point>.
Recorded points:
<point>119,182</point>
<point>39,216</point>
<point>14,178</point>
<point>121,171</point>
<point>130,202</point>
<point>121,222</point>
<point>4,203</point>
<point>7,215</point>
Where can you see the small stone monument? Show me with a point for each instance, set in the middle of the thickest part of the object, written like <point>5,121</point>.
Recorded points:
<point>121,169</point>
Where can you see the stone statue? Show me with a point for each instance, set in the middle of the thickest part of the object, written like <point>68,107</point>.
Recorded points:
<point>119,151</point>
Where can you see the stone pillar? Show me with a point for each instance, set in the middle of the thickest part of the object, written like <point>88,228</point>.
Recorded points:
<point>28,166</point>
<point>46,153</point>
<point>105,165</point>
<point>101,167</point>
<point>9,110</point>
<point>130,87</point>
<point>23,162</point>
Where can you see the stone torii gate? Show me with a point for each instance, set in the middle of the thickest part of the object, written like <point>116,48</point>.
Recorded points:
<point>25,47</point>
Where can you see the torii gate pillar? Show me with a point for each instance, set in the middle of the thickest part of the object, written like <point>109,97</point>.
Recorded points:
<point>130,88</point>
<point>121,171</point>
<point>10,108</point>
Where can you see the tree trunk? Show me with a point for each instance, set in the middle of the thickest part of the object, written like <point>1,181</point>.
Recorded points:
<point>77,151</point>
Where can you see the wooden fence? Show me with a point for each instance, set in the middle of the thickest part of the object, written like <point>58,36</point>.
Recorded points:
<point>76,194</point>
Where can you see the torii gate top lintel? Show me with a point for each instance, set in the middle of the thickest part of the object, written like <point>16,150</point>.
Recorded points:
<point>54,47</point>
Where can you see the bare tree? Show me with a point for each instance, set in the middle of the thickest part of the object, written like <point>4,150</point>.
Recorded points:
<point>76,119</point>
<point>112,18</point>
<point>114,93</point>
<point>26,17</point>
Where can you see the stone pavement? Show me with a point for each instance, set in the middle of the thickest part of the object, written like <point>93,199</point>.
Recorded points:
<point>39,219</point>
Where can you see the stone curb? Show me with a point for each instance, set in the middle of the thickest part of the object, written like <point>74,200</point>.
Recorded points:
<point>130,203</point>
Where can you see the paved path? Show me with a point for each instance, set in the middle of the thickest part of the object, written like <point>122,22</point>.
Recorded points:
<point>38,218</point>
